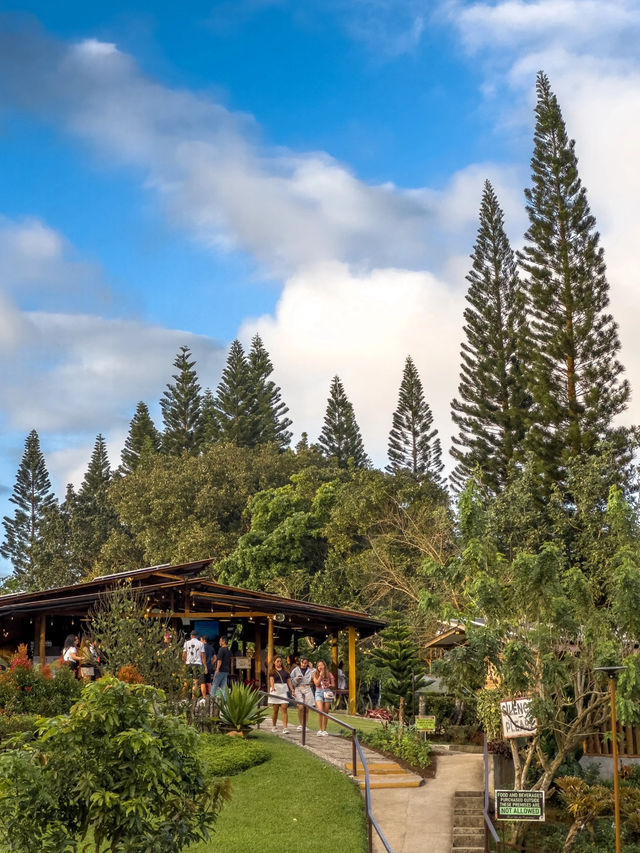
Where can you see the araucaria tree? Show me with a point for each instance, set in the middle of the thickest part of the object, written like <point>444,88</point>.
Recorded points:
<point>143,440</point>
<point>32,497</point>
<point>577,380</point>
<point>491,410</point>
<point>236,401</point>
<point>93,517</point>
<point>180,404</point>
<point>340,437</point>
<point>271,411</point>
<point>413,441</point>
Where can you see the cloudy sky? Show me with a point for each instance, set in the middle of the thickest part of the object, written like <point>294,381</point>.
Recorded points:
<point>310,169</point>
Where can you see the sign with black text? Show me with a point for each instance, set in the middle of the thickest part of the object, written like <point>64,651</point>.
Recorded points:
<point>426,724</point>
<point>517,718</point>
<point>520,805</point>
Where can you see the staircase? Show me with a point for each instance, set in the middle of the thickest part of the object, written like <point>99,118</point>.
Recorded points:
<point>468,822</point>
<point>386,774</point>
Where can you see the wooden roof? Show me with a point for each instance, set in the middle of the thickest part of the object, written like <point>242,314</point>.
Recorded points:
<point>181,591</point>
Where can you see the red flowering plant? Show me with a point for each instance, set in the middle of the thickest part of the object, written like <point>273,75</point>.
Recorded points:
<point>20,658</point>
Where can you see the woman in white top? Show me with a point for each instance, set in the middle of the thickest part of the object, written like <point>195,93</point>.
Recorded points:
<point>70,652</point>
<point>280,689</point>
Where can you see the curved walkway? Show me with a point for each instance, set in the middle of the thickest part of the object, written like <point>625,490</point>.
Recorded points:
<point>413,819</point>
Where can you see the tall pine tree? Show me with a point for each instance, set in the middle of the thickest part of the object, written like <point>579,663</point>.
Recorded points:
<point>577,386</point>
<point>340,437</point>
<point>93,517</point>
<point>180,406</point>
<point>142,441</point>
<point>271,411</point>
<point>236,402</point>
<point>32,497</point>
<point>210,429</point>
<point>413,442</point>
<point>491,411</point>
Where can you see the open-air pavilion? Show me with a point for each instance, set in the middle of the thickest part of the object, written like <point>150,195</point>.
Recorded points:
<point>186,598</point>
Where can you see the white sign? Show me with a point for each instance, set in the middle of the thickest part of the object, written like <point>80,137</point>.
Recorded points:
<point>242,663</point>
<point>517,718</point>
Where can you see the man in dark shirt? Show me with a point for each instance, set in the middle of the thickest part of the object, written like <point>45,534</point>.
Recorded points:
<point>209,664</point>
<point>222,668</point>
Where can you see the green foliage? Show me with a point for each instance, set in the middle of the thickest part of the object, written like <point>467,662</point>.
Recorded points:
<point>116,769</point>
<point>398,661</point>
<point>226,756</point>
<point>271,412</point>
<point>240,708</point>
<point>180,404</point>
<point>127,636</point>
<point>13,724</point>
<point>237,419</point>
<point>402,741</point>
<point>27,690</point>
<point>32,497</point>
<point>142,441</point>
<point>340,438</point>
<point>577,380</point>
<point>413,443</point>
<point>491,414</point>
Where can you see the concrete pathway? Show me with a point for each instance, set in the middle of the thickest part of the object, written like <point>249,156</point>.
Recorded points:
<point>414,820</point>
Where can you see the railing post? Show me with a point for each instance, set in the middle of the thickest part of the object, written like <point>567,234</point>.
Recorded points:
<point>354,755</point>
<point>370,832</point>
<point>304,724</point>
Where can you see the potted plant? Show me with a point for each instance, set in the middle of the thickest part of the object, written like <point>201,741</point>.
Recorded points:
<point>240,710</point>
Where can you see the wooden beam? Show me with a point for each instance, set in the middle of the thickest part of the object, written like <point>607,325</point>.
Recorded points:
<point>269,648</point>
<point>352,669</point>
<point>208,614</point>
<point>42,640</point>
<point>334,657</point>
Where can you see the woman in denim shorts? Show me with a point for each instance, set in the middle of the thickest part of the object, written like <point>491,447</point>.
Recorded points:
<point>324,682</point>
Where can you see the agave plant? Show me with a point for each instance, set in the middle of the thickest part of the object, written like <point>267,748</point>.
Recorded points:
<point>240,708</point>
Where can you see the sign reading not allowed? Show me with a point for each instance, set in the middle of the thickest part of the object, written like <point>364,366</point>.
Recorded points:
<point>519,805</point>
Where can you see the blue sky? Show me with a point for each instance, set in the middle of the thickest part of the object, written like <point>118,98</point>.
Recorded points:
<point>309,170</point>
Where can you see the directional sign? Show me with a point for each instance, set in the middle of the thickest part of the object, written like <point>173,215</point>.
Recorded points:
<point>517,718</point>
<point>520,805</point>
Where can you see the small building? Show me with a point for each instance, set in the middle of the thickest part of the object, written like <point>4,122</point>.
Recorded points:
<point>182,595</point>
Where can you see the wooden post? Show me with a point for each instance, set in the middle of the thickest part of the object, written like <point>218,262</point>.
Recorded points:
<point>269,648</point>
<point>257,656</point>
<point>352,669</point>
<point>42,640</point>
<point>334,657</point>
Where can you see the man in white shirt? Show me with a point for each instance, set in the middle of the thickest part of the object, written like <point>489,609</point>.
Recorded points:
<point>193,657</point>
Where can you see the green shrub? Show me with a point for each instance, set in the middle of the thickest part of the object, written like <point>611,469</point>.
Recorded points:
<point>116,770</point>
<point>25,690</point>
<point>405,743</point>
<point>240,708</point>
<point>12,724</point>
<point>225,756</point>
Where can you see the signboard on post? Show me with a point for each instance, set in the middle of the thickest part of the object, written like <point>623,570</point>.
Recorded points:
<point>520,805</point>
<point>517,718</point>
<point>426,724</point>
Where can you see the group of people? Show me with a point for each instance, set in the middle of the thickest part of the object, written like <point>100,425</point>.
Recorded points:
<point>208,666</point>
<point>307,685</point>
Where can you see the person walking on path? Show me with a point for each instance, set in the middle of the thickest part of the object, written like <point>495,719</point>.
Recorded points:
<point>195,661</point>
<point>302,680</point>
<point>280,685</point>
<point>70,654</point>
<point>324,682</point>
<point>222,668</point>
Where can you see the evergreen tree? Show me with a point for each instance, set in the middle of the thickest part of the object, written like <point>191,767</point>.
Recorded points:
<point>55,560</point>
<point>180,406</point>
<point>413,444</point>
<point>143,439</point>
<point>32,496</point>
<point>340,437</point>
<point>210,428</point>
<point>399,659</point>
<point>577,386</point>
<point>93,517</point>
<point>491,412</point>
<point>271,412</point>
<point>236,401</point>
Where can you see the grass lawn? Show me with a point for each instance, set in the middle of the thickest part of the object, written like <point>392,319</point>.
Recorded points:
<point>362,723</point>
<point>281,804</point>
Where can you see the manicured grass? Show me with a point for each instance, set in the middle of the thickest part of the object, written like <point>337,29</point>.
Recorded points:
<point>280,805</point>
<point>226,756</point>
<point>362,723</point>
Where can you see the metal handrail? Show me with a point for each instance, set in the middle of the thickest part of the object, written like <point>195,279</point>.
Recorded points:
<point>356,749</point>
<point>488,823</point>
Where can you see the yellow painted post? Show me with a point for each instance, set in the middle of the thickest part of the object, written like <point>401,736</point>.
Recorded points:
<point>352,669</point>
<point>257,655</point>
<point>269,649</point>
<point>334,657</point>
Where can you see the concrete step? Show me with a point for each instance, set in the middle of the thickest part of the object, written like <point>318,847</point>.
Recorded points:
<point>391,780</point>
<point>468,839</point>
<point>475,809</point>
<point>477,795</point>
<point>468,820</point>
<point>377,767</point>
<point>468,849</point>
